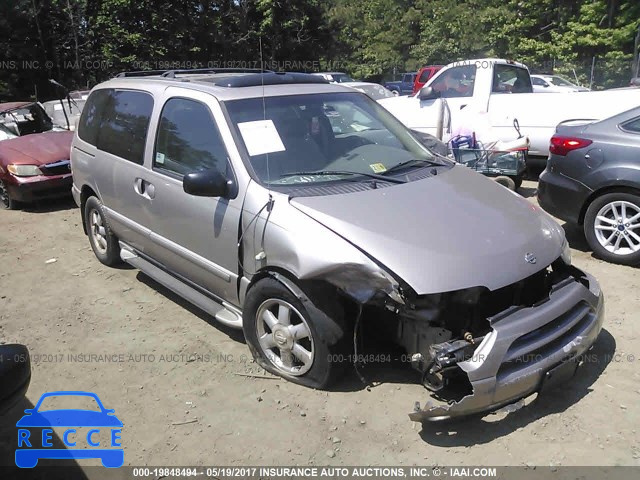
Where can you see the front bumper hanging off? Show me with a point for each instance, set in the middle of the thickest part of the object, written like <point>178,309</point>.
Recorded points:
<point>527,350</point>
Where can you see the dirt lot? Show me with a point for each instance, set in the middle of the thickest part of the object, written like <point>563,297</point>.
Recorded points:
<point>179,385</point>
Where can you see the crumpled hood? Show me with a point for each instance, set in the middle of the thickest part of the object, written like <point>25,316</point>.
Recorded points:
<point>452,231</point>
<point>36,149</point>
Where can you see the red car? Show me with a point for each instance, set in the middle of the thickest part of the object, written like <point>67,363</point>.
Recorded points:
<point>424,75</point>
<point>34,160</point>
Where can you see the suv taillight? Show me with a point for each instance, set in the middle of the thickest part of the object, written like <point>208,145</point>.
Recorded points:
<point>563,145</point>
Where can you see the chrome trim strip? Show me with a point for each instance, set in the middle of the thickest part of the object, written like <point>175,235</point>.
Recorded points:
<point>173,247</point>
<point>136,227</point>
<point>192,257</point>
<point>84,151</point>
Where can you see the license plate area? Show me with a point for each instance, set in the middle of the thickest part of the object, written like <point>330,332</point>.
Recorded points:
<point>559,375</point>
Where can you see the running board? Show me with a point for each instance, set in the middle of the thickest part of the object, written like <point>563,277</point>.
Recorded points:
<point>223,312</point>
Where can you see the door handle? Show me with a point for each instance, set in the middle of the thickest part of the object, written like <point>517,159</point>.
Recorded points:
<point>144,189</point>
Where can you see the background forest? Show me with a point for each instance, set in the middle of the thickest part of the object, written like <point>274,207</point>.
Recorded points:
<point>80,42</point>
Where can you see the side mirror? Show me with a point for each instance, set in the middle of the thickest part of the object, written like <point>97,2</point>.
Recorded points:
<point>206,183</point>
<point>427,93</point>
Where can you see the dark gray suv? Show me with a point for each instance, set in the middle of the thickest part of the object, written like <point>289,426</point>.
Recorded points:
<point>593,179</point>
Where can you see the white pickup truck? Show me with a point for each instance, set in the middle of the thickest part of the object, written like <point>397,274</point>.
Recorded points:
<point>499,92</point>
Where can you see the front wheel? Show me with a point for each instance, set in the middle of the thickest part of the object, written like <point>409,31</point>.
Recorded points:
<point>299,338</point>
<point>612,228</point>
<point>6,202</point>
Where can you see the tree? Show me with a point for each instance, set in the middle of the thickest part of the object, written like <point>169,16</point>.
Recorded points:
<point>373,37</point>
<point>81,42</point>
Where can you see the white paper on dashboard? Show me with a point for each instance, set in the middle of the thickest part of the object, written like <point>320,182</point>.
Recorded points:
<point>261,137</point>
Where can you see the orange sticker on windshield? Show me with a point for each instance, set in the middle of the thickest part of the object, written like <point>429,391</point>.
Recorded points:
<point>378,167</point>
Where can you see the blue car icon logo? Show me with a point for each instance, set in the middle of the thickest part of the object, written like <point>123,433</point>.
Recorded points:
<point>100,424</point>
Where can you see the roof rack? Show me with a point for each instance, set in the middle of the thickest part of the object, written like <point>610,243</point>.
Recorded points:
<point>253,76</point>
<point>196,71</point>
<point>140,73</point>
<point>188,71</point>
<point>267,78</point>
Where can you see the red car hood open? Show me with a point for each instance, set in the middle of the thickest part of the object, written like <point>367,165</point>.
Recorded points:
<point>36,149</point>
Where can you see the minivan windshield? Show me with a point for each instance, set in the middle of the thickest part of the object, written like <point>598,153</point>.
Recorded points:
<point>289,136</point>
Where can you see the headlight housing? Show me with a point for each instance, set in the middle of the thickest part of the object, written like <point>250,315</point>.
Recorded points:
<point>566,252</point>
<point>24,170</point>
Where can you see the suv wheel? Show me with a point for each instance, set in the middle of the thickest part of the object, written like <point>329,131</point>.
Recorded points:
<point>294,336</point>
<point>612,228</point>
<point>103,242</point>
<point>6,201</point>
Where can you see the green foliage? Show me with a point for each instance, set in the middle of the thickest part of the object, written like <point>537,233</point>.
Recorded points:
<point>81,42</point>
<point>375,36</point>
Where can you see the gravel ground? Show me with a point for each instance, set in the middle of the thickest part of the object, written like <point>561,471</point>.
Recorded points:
<point>186,391</point>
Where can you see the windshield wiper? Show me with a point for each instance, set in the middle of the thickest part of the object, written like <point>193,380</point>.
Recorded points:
<point>413,162</point>
<point>346,172</point>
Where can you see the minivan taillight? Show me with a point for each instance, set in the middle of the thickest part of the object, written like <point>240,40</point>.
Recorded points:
<point>563,145</point>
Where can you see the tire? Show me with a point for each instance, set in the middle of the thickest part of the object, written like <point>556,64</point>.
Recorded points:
<point>103,242</point>
<point>506,182</point>
<point>6,202</point>
<point>323,322</point>
<point>609,239</point>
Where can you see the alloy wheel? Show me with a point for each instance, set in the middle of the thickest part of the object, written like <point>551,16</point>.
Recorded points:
<point>98,232</point>
<point>616,226</point>
<point>285,337</point>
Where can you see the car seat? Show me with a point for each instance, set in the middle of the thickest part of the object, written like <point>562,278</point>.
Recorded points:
<point>301,152</point>
<point>520,86</point>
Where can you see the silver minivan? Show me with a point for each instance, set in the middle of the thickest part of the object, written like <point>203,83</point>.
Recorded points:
<point>307,215</point>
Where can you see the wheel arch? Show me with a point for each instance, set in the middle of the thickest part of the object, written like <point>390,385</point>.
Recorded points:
<point>85,193</point>
<point>320,289</point>
<point>617,188</point>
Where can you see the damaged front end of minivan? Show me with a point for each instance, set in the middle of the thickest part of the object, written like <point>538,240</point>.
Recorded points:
<point>485,322</point>
<point>478,350</point>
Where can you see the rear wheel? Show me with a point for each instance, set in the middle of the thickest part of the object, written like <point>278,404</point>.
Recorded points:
<point>506,182</point>
<point>6,202</point>
<point>612,228</point>
<point>296,337</point>
<point>103,242</point>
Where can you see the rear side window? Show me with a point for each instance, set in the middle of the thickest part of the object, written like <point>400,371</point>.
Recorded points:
<point>91,118</point>
<point>511,79</point>
<point>124,126</point>
<point>632,125</point>
<point>188,139</point>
